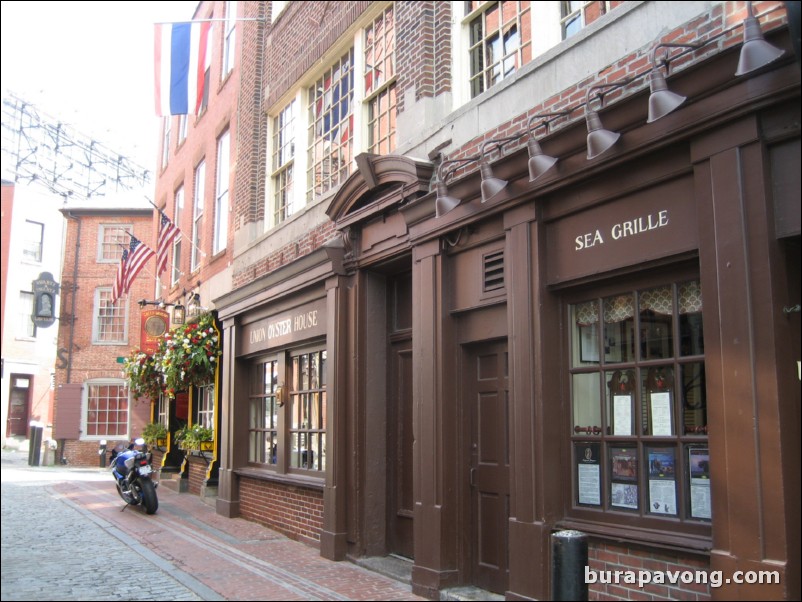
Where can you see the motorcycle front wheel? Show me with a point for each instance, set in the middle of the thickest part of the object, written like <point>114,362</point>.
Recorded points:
<point>148,493</point>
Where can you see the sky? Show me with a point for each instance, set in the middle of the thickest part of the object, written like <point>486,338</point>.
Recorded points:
<point>89,65</point>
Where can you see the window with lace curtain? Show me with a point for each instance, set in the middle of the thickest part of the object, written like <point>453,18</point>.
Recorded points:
<point>638,404</point>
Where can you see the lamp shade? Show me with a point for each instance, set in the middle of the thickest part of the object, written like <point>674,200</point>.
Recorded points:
<point>539,162</point>
<point>444,203</point>
<point>599,139</point>
<point>491,185</point>
<point>756,52</point>
<point>662,100</point>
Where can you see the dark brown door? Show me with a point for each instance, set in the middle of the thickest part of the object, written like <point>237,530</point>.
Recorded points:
<point>18,405</point>
<point>399,453</point>
<point>487,395</point>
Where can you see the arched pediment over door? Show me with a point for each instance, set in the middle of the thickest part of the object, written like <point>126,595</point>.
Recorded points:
<point>379,182</point>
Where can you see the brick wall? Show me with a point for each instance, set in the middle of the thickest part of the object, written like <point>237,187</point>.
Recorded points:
<point>84,453</point>
<point>297,512</point>
<point>604,557</point>
<point>197,474</point>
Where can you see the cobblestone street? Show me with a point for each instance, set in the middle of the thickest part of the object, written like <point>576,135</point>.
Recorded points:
<point>65,538</point>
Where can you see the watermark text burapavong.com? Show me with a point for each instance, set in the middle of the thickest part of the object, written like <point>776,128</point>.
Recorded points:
<point>641,578</point>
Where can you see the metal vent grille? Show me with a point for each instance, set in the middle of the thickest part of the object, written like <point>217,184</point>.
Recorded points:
<point>493,271</point>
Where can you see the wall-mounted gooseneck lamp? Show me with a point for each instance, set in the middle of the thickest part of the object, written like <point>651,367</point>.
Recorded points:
<point>600,140</point>
<point>756,52</point>
<point>444,202</point>
<point>662,100</point>
<point>539,162</point>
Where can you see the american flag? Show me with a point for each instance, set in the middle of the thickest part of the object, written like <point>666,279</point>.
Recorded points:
<point>118,288</point>
<point>138,256</point>
<point>167,234</point>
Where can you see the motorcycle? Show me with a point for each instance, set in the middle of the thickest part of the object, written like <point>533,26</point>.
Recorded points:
<point>132,472</point>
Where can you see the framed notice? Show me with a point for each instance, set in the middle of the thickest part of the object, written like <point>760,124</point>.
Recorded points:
<point>662,483</point>
<point>624,477</point>
<point>699,475</point>
<point>588,473</point>
<point>660,412</point>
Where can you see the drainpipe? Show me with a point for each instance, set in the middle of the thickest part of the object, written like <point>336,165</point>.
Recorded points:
<point>69,215</point>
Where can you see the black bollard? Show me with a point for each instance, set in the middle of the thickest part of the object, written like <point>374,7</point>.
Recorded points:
<point>34,444</point>
<point>569,557</point>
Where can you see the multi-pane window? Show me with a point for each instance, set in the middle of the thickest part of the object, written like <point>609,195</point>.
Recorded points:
<point>331,127</point>
<point>207,74</point>
<point>220,234</point>
<point>284,201</point>
<point>33,239</point>
<point>229,42</point>
<point>163,410</point>
<point>197,215</point>
<point>500,41</point>
<point>113,238</point>
<point>182,128</point>
<point>380,90</point>
<point>577,14</point>
<point>307,408</point>
<point>639,409</point>
<point>27,328</point>
<point>110,325</point>
<point>264,412</point>
<point>167,124</point>
<point>106,409</point>
<point>179,209</point>
<point>205,405</point>
<point>287,427</point>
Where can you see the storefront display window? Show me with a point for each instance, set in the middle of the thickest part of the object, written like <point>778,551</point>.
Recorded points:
<point>639,418</point>
<point>287,428</point>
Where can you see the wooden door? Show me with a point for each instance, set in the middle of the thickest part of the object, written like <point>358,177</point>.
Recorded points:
<point>18,406</point>
<point>399,452</point>
<point>487,397</point>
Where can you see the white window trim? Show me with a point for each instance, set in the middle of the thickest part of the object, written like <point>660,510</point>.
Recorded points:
<point>101,231</point>
<point>221,221</point>
<point>85,408</point>
<point>198,208</point>
<point>96,319</point>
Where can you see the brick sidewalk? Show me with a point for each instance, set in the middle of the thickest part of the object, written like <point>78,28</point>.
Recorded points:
<point>238,559</point>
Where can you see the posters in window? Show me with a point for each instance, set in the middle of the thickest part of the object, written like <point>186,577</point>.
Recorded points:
<point>699,468</point>
<point>661,413</point>
<point>588,471</point>
<point>662,490</point>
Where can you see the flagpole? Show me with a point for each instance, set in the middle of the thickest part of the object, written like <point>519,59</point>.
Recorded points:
<point>191,244</point>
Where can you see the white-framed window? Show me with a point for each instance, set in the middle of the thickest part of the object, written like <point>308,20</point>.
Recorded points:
<point>221,200</point>
<point>350,106</point>
<point>285,202</point>
<point>167,124</point>
<point>576,14</point>
<point>112,239</point>
<point>106,403</point>
<point>178,211</point>
<point>229,41</point>
<point>380,90</point>
<point>500,41</point>
<point>331,127</point>
<point>33,241</point>
<point>163,410</point>
<point>183,127</point>
<point>110,324</point>
<point>27,328</point>
<point>205,405</point>
<point>197,215</point>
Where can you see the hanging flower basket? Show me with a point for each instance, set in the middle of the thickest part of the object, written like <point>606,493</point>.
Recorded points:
<point>143,374</point>
<point>188,355</point>
<point>195,438</point>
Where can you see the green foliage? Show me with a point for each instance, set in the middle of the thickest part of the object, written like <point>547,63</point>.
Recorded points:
<point>189,438</point>
<point>188,355</point>
<point>143,375</point>
<point>153,432</point>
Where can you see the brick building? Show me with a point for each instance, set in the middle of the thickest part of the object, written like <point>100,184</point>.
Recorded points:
<point>94,333</point>
<point>449,364</point>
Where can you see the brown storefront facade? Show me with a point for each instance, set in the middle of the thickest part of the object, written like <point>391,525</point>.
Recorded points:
<point>612,349</point>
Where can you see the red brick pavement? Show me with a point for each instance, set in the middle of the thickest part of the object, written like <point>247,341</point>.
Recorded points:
<point>238,559</point>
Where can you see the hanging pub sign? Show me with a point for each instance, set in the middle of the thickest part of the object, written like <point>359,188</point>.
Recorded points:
<point>154,323</point>
<point>45,290</point>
